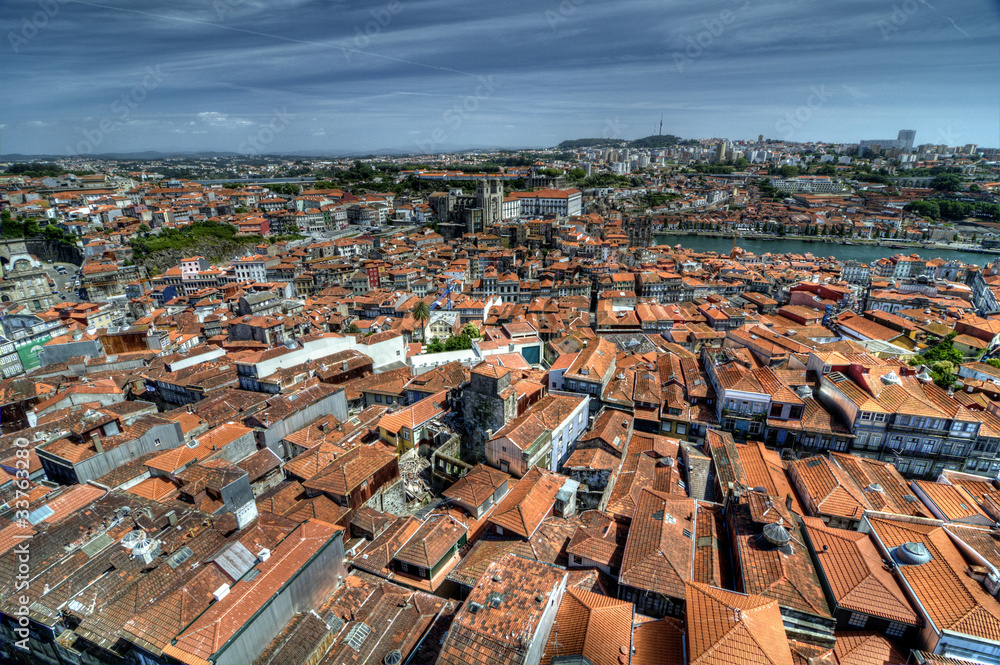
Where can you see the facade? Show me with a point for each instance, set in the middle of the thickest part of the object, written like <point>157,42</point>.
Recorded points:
<point>544,436</point>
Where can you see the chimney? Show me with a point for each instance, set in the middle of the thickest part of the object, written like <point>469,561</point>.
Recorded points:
<point>343,366</point>
<point>98,446</point>
<point>172,518</point>
<point>788,501</point>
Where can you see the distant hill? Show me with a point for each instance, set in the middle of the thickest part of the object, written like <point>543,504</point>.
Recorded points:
<point>649,142</point>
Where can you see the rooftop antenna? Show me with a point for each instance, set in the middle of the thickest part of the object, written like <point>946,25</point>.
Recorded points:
<point>661,125</point>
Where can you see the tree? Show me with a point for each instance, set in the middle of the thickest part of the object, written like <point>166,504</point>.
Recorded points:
<point>421,313</point>
<point>143,228</point>
<point>994,362</point>
<point>353,328</point>
<point>435,346</point>
<point>470,330</point>
<point>947,182</point>
<point>458,343</point>
<point>788,171</point>
<point>740,163</point>
<point>576,174</point>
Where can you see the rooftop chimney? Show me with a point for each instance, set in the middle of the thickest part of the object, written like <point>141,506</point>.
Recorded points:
<point>98,446</point>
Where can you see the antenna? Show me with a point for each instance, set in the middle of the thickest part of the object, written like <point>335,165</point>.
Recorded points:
<point>661,125</point>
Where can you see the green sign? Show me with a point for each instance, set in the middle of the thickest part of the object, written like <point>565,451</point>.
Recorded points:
<point>29,353</point>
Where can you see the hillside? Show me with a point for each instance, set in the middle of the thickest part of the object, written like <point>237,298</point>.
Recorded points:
<point>649,142</point>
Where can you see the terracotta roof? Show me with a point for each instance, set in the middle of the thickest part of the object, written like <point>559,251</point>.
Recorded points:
<point>600,538</point>
<point>856,574</point>
<point>657,641</point>
<point>866,647</point>
<point>787,576</point>
<point>349,470</point>
<point>828,489</point>
<point>725,627</point>
<point>953,600</point>
<point>884,487</point>
<point>223,619</point>
<point>592,626</point>
<point>528,502</point>
<point>950,503</point>
<point>477,485</point>
<point>659,553</point>
<point>501,614</point>
<point>428,545</point>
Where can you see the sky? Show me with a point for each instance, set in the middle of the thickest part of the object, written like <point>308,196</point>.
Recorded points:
<point>430,76</point>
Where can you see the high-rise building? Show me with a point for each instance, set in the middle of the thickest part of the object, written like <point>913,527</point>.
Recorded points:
<point>903,142</point>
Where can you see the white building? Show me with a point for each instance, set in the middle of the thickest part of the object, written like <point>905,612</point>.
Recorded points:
<point>545,435</point>
<point>559,202</point>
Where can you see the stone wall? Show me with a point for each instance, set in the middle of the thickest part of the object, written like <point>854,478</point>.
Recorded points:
<point>390,498</point>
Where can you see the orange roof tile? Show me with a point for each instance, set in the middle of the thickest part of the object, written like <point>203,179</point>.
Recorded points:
<point>725,627</point>
<point>857,577</point>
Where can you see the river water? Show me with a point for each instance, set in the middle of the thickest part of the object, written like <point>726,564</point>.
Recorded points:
<point>863,253</point>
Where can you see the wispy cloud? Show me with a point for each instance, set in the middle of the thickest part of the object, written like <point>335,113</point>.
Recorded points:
<point>230,63</point>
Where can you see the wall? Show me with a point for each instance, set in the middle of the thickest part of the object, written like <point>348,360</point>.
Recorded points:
<point>390,498</point>
<point>334,404</point>
<point>315,582</point>
<point>169,435</point>
<point>57,353</point>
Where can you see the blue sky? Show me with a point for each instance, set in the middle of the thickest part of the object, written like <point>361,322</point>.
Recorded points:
<point>437,75</point>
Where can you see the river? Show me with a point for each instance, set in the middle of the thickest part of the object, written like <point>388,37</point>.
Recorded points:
<point>863,253</point>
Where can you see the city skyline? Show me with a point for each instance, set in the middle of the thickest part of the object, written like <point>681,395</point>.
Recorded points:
<point>412,77</point>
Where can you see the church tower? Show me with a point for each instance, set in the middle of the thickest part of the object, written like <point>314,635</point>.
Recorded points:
<point>489,197</point>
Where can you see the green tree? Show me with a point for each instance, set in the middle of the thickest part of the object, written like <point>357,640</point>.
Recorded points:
<point>924,209</point>
<point>470,330</point>
<point>422,313</point>
<point>788,171</point>
<point>995,362</point>
<point>352,329</point>
<point>947,182</point>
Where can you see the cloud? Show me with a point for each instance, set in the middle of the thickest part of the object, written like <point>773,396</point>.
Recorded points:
<point>385,73</point>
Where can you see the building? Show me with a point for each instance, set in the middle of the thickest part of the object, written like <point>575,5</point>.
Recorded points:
<point>543,436</point>
<point>508,616</point>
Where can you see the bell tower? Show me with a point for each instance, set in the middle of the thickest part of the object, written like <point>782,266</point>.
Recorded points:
<point>489,195</point>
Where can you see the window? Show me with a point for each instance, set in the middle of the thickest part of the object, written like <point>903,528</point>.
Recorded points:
<point>756,427</point>
<point>867,416</point>
<point>920,468</point>
<point>378,398</point>
<point>895,629</point>
<point>857,620</point>
<point>795,413</point>
<point>880,417</point>
<point>403,566</point>
<point>903,465</point>
<point>862,439</point>
<point>729,423</point>
<point>680,429</point>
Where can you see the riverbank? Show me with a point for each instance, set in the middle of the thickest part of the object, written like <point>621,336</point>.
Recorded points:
<point>864,250</point>
<point>894,243</point>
